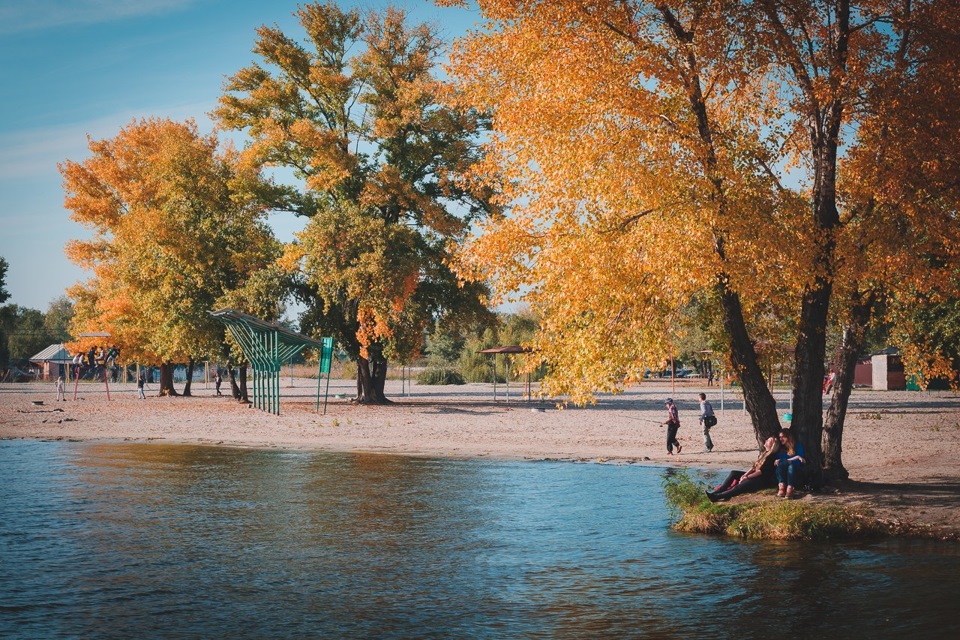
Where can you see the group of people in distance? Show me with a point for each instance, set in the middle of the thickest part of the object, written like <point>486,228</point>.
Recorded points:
<point>780,463</point>
<point>96,358</point>
<point>707,420</point>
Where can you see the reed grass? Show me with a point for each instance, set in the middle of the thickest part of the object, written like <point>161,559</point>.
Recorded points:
<point>768,517</point>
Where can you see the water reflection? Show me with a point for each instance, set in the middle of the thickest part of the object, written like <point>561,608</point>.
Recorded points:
<point>116,539</point>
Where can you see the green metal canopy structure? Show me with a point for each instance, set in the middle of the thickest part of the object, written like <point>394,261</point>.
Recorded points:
<point>268,345</point>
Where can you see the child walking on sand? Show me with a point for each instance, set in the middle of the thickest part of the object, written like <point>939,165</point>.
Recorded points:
<point>60,389</point>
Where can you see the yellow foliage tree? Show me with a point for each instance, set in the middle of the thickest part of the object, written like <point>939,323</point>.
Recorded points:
<point>175,230</point>
<point>356,114</point>
<point>659,151</point>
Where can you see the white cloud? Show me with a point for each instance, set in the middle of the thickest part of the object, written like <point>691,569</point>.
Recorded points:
<point>30,15</point>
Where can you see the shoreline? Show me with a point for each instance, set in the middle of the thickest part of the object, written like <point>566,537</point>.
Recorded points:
<point>898,446</point>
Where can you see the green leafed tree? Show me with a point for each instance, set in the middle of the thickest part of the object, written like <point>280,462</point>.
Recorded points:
<point>25,331</point>
<point>57,318</point>
<point>354,109</point>
<point>4,294</point>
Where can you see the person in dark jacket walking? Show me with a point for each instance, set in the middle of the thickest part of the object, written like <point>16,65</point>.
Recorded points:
<point>673,425</point>
<point>707,420</point>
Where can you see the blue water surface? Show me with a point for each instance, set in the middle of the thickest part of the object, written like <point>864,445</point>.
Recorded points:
<point>152,540</point>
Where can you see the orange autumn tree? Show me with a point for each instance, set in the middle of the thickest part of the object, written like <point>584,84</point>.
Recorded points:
<point>763,156</point>
<point>354,111</point>
<point>175,232</point>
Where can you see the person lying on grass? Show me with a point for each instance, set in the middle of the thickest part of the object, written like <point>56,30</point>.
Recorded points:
<point>760,476</point>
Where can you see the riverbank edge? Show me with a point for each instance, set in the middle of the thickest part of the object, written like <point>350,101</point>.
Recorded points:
<point>693,512</point>
<point>765,516</point>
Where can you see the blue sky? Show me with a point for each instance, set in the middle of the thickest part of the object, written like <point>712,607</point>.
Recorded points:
<point>73,68</point>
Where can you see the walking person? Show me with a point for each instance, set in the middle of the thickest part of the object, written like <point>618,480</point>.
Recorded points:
<point>673,425</point>
<point>707,420</point>
<point>142,380</point>
<point>60,395</point>
<point>218,380</point>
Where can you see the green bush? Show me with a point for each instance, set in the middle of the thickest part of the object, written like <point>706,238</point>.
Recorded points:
<point>764,518</point>
<point>475,366</point>
<point>439,375</point>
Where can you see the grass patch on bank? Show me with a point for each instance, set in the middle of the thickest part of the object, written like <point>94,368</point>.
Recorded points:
<point>767,519</point>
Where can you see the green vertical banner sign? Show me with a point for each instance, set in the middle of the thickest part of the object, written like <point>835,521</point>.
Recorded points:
<point>326,363</point>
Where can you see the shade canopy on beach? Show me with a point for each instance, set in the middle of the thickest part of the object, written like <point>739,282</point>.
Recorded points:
<point>267,345</point>
<point>508,349</point>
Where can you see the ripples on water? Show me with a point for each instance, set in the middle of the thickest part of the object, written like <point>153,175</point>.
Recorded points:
<point>147,540</point>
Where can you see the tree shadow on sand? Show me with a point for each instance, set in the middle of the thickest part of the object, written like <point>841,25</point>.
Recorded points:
<point>938,493</point>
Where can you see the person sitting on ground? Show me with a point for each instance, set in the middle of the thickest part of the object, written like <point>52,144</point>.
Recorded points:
<point>789,464</point>
<point>760,476</point>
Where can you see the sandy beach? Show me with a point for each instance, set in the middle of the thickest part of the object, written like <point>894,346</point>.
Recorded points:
<point>898,446</point>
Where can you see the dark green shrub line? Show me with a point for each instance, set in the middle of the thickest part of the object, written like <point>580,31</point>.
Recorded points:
<point>440,375</point>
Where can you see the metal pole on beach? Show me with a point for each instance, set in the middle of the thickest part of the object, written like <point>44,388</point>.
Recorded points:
<point>721,391</point>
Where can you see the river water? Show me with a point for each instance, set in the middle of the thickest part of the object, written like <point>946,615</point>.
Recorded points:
<point>152,540</point>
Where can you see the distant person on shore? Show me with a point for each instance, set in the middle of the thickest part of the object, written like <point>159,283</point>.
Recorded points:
<point>141,381</point>
<point>707,420</point>
<point>789,464</point>
<point>760,476</point>
<point>673,426</point>
<point>709,377</point>
<point>60,395</point>
<point>218,380</point>
<point>828,382</point>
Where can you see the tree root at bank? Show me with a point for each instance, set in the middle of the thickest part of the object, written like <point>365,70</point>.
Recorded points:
<point>771,518</point>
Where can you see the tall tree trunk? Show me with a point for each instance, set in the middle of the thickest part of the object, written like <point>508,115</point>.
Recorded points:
<point>234,387</point>
<point>850,348</point>
<point>166,380</point>
<point>244,395</point>
<point>808,378</point>
<point>756,394</point>
<point>761,405</point>
<point>186,386</point>
<point>372,377</point>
